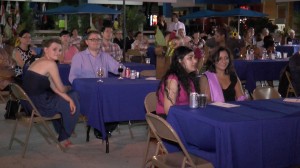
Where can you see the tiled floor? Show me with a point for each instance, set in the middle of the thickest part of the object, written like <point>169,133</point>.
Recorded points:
<point>125,152</point>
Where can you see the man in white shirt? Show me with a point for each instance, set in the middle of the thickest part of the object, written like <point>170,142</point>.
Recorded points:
<point>175,25</point>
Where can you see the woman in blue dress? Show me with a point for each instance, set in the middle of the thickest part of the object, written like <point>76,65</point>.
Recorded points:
<point>43,85</point>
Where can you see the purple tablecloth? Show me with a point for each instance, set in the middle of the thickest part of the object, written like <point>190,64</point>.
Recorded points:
<point>113,100</point>
<point>258,70</point>
<point>289,49</point>
<point>260,134</point>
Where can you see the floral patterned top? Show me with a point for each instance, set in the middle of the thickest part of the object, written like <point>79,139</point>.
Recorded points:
<point>25,55</point>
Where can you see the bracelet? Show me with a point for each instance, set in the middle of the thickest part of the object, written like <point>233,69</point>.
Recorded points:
<point>241,98</point>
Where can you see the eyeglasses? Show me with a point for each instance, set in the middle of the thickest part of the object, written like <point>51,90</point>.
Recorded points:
<point>95,40</point>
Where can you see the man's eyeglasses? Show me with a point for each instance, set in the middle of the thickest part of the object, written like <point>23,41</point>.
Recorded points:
<point>94,40</point>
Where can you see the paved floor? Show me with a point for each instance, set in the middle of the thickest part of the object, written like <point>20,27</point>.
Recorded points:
<point>125,152</point>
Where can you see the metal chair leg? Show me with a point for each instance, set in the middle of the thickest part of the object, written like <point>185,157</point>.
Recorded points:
<point>88,133</point>
<point>13,134</point>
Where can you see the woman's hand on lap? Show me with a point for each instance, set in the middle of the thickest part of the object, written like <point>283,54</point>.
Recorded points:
<point>72,107</point>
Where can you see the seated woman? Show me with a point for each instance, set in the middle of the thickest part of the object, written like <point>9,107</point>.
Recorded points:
<point>177,84</point>
<point>140,43</point>
<point>220,82</point>
<point>23,53</point>
<point>68,50</point>
<point>184,39</point>
<point>197,44</point>
<point>43,85</point>
<point>75,39</point>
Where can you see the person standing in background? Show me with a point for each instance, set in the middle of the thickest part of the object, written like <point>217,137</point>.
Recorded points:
<point>175,25</point>
<point>162,24</point>
<point>9,31</point>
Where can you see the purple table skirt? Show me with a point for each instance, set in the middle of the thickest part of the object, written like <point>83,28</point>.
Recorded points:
<point>289,49</point>
<point>258,134</point>
<point>113,100</point>
<point>258,70</point>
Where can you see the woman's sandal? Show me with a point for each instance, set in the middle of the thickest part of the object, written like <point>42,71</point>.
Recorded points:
<point>67,143</point>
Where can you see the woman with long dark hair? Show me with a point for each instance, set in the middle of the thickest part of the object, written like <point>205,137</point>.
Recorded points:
<point>220,82</point>
<point>177,84</point>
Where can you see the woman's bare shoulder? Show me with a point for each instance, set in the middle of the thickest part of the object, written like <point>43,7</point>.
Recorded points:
<point>43,64</point>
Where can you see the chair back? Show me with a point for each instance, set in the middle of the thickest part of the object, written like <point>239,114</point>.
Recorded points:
<point>133,55</point>
<point>290,88</point>
<point>148,73</point>
<point>265,92</point>
<point>20,94</point>
<point>150,102</point>
<point>34,118</point>
<point>162,130</point>
<point>133,52</point>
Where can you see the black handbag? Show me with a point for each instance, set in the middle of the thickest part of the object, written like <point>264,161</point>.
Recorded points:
<point>11,108</point>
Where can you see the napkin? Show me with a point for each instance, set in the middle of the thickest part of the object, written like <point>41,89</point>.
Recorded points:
<point>292,100</point>
<point>226,105</point>
<point>150,78</point>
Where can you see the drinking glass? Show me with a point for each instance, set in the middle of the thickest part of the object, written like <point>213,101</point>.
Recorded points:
<point>120,70</point>
<point>119,59</point>
<point>100,73</point>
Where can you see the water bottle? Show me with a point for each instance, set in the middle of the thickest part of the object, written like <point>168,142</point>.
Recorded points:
<point>251,54</point>
<point>247,55</point>
<point>264,54</point>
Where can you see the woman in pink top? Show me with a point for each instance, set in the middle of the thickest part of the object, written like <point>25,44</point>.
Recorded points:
<point>177,83</point>
<point>68,50</point>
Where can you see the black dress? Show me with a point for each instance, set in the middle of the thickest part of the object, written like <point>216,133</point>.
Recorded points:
<point>48,103</point>
<point>229,93</point>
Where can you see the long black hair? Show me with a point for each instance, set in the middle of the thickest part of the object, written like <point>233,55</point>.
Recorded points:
<point>184,78</point>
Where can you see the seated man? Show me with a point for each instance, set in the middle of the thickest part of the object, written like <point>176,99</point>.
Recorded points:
<point>85,63</point>
<point>294,65</point>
